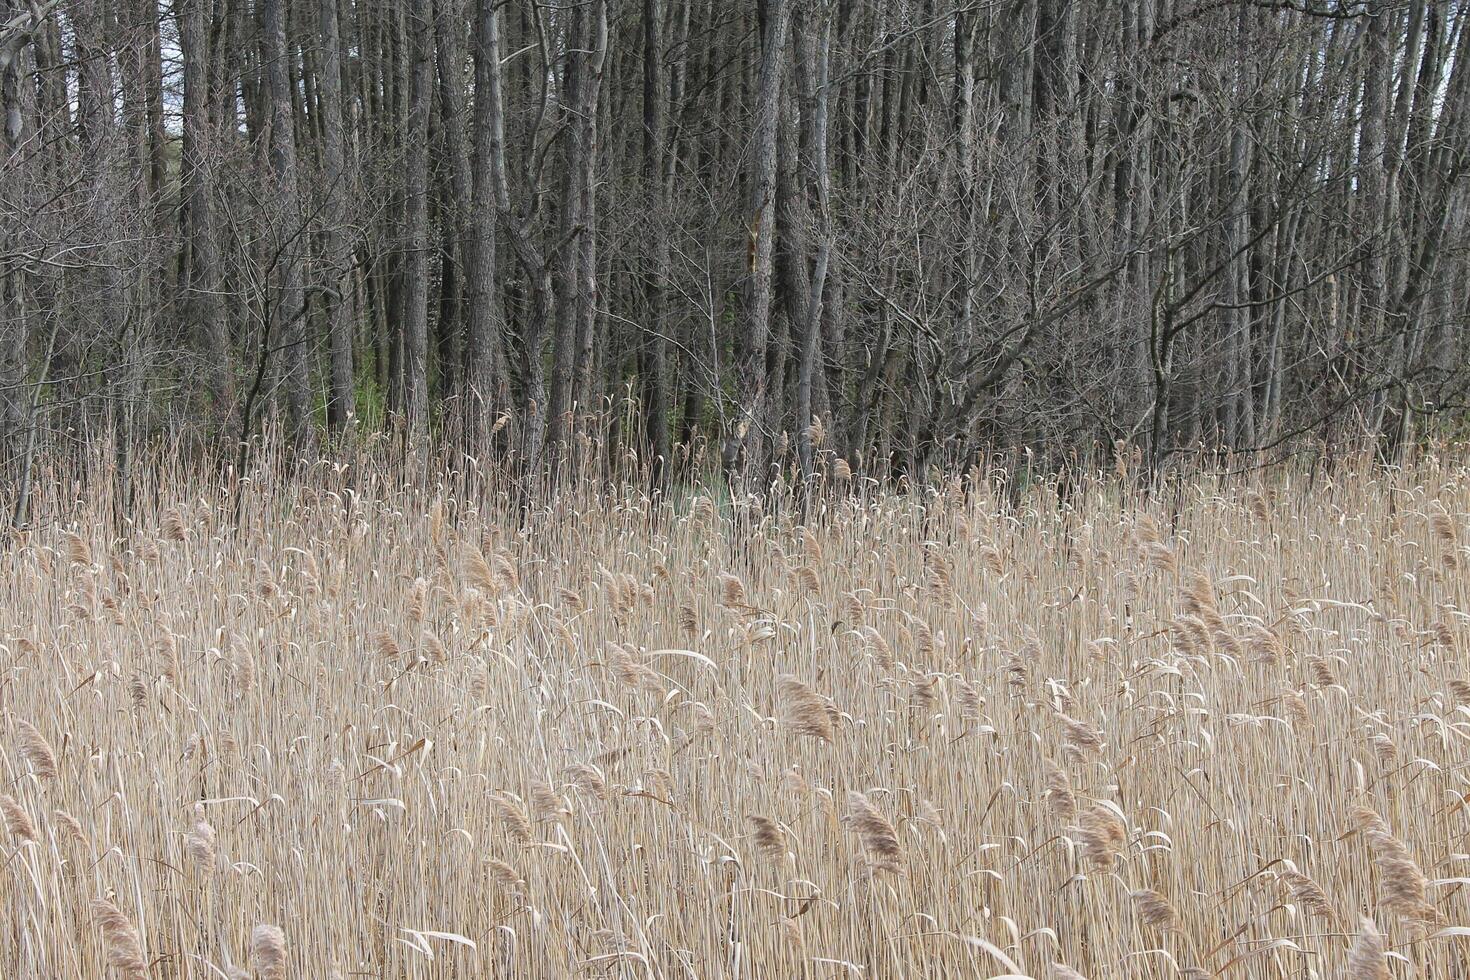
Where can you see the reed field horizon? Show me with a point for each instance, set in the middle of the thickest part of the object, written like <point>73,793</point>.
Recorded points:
<point>359,720</point>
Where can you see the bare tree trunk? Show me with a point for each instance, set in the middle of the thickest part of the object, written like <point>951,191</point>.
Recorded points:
<point>654,349</point>
<point>416,181</point>
<point>96,98</point>
<point>1269,415</point>
<point>398,44</point>
<point>140,207</point>
<point>336,250</point>
<point>449,44</point>
<point>817,56</point>
<point>484,359</point>
<point>529,256</point>
<point>19,510</point>
<point>964,151</point>
<point>572,211</point>
<point>1239,382</point>
<point>14,322</point>
<point>1373,180</point>
<point>288,334</point>
<point>1134,187</point>
<point>577,276</point>
<point>792,278</point>
<point>150,22</point>
<point>203,305</point>
<point>1054,80</point>
<point>743,450</point>
<point>14,341</point>
<point>11,54</point>
<point>588,296</point>
<point>94,81</point>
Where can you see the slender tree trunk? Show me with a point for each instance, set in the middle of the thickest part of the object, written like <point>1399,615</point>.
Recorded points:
<point>151,22</point>
<point>577,261</point>
<point>100,146</point>
<point>531,423</point>
<point>1134,188</point>
<point>14,321</point>
<point>336,250</point>
<point>288,334</point>
<point>1239,381</point>
<point>484,359</point>
<point>654,349</point>
<point>455,171</point>
<point>416,202</point>
<point>588,297</point>
<point>743,450</point>
<point>1373,180</point>
<point>821,178</point>
<point>203,302</point>
<point>573,226</point>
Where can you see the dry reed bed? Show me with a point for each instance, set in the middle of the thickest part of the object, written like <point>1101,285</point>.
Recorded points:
<point>385,734</point>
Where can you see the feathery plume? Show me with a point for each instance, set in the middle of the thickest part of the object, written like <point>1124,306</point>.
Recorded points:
<point>545,801</point>
<point>768,837</point>
<point>503,874</point>
<point>629,669</point>
<point>1059,796</point>
<point>242,668</point>
<point>1082,737</point>
<point>70,826</point>
<point>171,525</point>
<point>478,570</point>
<point>199,844</point>
<point>732,591</point>
<point>802,710</point>
<point>587,779</point>
<point>1308,894</point>
<point>268,952</point>
<point>17,821</point>
<point>688,620</point>
<point>879,839</point>
<point>1154,909</point>
<point>78,552</point>
<point>811,547</point>
<point>1402,884</point>
<point>120,941</point>
<point>1102,835</point>
<point>968,700</point>
<point>512,816</point>
<point>1366,960</point>
<point>36,750</point>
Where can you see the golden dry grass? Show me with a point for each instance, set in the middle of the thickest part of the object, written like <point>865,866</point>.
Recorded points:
<point>384,733</point>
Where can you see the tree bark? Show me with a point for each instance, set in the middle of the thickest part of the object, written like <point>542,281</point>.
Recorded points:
<point>577,262</point>
<point>336,250</point>
<point>203,301</point>
<point>654,349</point>
<point>288,333</point>
<point>588,295</point>
<point>821,179</point>
<point>455,181</point>
<point>14,321</point>
<point>742,454</point>
<point>416,202</point>
<point>483,356</point>
<point>1239,422</point>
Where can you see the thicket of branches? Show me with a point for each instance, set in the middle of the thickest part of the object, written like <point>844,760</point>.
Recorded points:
<point>899,232</point>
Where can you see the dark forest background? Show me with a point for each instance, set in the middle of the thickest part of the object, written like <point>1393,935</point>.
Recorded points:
<point>873,235</point>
